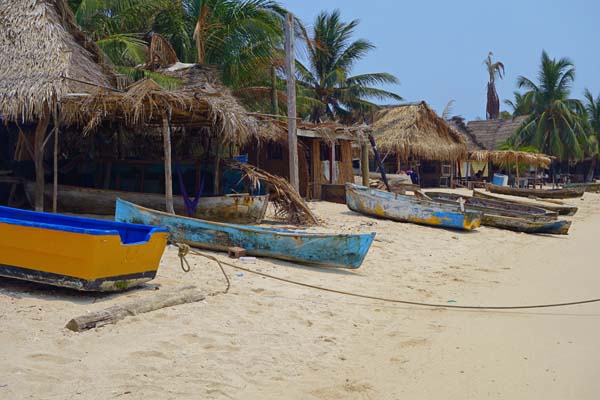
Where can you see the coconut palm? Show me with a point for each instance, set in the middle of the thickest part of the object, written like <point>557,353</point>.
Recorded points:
<point>555,124</point>
<point>331,56</point>
<point>592,107</point>
<point>521,105</point>
<point>492,110</point>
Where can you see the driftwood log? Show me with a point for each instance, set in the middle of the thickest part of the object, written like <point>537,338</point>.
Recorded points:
<point>111,315</point>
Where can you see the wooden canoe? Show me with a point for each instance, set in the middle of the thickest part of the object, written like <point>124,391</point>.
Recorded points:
<point>592,187</point>
<point>560,209</point>
<point>498,217</point>
<point>403,208</point>
<point>238,208</point>
<point>317,249</point>
<point>79,253</point>
<point>564,193</point>
<point>491,206</point>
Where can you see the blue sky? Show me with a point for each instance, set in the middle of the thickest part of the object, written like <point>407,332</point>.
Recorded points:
<point>437,48</point>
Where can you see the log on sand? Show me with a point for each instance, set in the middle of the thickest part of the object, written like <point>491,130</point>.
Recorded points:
<point>111,315</point>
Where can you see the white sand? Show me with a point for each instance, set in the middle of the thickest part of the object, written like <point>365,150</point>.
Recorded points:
<point>270,340</point>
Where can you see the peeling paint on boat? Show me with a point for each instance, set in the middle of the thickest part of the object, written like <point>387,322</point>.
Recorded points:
<point>408,209</point>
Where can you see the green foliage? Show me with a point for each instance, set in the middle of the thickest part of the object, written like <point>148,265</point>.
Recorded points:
<point>331,56</point>
<point>556,123</point>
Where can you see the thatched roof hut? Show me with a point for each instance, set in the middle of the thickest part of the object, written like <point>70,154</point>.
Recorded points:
<point>44,57</point>
<point>492,133</point>
<point>415,130</point>
<point>505,157</point>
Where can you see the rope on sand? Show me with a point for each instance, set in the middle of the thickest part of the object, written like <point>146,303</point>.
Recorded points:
<point>184,250</point>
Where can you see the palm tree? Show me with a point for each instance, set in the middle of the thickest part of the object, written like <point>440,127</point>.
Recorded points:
<point>331,56</point>
<point>555,125</point>
<point>521,105</point>
<point>492,110</point>
<point>592,107</point>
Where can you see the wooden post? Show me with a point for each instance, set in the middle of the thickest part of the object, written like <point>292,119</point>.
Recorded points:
<point>55,176</point>
<point>379,163</point>
<point>364,163</point>
<point>166,130</point>
<point>332,162</point>
<point>290,69</point>
<point>274,99</point>
<point>40,134</point>
<point>217,186</point>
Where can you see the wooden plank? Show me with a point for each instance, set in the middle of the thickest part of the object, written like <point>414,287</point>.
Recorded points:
<point>168,174</point>
<point>290,59</point>
<point>116,313</point>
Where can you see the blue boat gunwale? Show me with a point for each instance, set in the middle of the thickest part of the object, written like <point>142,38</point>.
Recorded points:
<point>68,223</point>
<point>248,228</point>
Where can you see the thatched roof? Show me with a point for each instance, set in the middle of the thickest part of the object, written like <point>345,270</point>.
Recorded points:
<point>416,130</point>
<point>473,143</point>
<point>503,157</point>
<point>40,45</point>
<point>492,133</point>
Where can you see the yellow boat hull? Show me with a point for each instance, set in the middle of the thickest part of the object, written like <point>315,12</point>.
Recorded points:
<point>80,261</point>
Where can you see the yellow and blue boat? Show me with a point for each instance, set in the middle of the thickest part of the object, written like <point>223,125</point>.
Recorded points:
<point>79,253</point>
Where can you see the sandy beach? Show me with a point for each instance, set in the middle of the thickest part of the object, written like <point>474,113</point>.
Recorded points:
<point>271,340</point>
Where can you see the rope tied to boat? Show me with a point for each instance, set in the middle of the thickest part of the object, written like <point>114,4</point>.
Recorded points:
<point>184,250</point>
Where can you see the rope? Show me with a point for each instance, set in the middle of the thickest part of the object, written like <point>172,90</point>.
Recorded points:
<point>370,297</point>
<point>184,250</point>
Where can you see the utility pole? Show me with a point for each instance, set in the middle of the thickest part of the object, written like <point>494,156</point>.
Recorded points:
<point>291,95</point>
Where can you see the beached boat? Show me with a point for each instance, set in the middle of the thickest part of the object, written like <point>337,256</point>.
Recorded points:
<point>507,218</point>
<point>78,253</point>
<point>592,187</point>
<point>561,209</point>
<point>564,193</point>
<point>318,249</point>
<point>403,208</point>
<point>234,208</point>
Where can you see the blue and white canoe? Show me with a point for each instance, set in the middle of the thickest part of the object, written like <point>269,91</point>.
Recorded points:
<point>317,249</point>
<point>403,208</point>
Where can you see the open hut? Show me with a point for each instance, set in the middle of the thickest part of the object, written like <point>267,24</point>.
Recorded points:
<point>413,136</point>
<point>45,57</point>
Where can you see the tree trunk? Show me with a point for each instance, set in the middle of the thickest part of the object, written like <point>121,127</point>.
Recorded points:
<point>290,60</point>
<point>168,172</point>
<point>40,135</point>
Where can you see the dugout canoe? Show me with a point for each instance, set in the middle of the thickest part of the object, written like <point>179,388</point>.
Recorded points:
<point>315,249</point>
<point>564,193</point>
<point>591,187</point>
<point>496,216</point>
<point>397,207</point>
<point>79,253</point>
<point>561,209</point>
<point>234,208</point>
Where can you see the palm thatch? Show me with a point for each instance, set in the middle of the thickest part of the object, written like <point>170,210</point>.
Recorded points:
<point>415,130</point>
<point>505,157</point>
<point>44,57</point>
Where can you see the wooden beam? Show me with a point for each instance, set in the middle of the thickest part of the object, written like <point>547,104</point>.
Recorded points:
<point>364,163</point>
<point>290,69</point>
<point>166,130</point>
<point>38,150</point>
<point>55,172</point>
<point>116,313</point>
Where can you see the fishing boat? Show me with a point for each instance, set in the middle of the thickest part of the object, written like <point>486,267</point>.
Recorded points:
<point>561,209</point>
<point>234,208</point>
<point>507,218</point>
<point>592,187</point>
<point>404,208</point>
<point>79,253</point>
<point>564,193</point>
<point>316,249</point>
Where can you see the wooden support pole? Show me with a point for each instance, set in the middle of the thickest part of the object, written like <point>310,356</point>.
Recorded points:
<point>379,163</point>
<point>156,301</point>
<point>40,134</point>
<point>217,185</point>
<point>55,174</point>
<point>364,163</point>
<point>290,69</point>
<point>166,130</point>
<point>331,162</point>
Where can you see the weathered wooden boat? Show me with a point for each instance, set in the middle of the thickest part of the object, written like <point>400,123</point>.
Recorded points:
<point>78,253</point>
<point>235,208</point>
<point>507,218</point>
<point>564,193</point>
<point>404,208</point>
<point>492,206</point>
<point>317,249</point>
<point>592,187</point>
<point>563,209</point>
